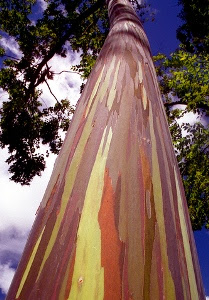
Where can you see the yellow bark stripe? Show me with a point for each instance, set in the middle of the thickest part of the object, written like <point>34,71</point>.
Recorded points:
<point>113,87</point>
<point>88,276</point>
<point>188,255</point>
<point>169,288</point>
<point>70,179</point>
<point>94,92</point>
<point>101,86</point>
<point>29,265</point>
<point>144,98</point>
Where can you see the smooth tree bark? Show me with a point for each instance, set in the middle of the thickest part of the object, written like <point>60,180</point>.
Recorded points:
<point>114,223</point>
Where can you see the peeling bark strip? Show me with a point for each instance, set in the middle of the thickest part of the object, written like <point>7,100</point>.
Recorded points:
<point>113,223</point>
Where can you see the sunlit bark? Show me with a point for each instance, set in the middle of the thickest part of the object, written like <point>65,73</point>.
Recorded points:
<point>113,223</point>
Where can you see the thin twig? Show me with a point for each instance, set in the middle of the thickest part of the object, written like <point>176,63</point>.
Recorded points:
<point>66,72</point>
<point>51,91</point>
<point>62,41</point>
<point>205,148</point>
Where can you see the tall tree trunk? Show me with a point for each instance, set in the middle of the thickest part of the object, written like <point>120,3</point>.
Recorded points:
<point>113,223</point>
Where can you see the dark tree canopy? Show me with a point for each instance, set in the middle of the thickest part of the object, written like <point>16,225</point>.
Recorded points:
<point>194,32</point>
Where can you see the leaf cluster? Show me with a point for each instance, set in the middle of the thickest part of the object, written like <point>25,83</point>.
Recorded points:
<point>192,151</point>
<point>184,79</point>
<point>24,127</point>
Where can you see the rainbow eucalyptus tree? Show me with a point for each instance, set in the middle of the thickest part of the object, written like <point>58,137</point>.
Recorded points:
<point>113,223</point>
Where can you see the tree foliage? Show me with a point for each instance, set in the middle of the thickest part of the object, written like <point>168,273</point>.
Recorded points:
<point>183,79</point>
<point>191,142</point>
<point>25,124</point>
<point>193,157</point>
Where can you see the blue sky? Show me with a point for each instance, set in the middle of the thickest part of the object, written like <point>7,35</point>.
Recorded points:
<point>18,204</point>
<point>162,32</point>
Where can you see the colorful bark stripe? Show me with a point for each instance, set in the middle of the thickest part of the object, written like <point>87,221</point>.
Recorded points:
<point>113,223</point>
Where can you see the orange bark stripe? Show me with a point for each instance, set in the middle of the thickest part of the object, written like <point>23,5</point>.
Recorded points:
<point>111,245</point>
<point>70,276</point>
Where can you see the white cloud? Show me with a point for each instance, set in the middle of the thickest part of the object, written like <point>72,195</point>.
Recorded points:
<point>18,208</point>
<point>3,96</point>
<point>7,274</point>
<point>11,247</point>
<point>9,44</point>
<point>207,298</point>
<point>64,85</point>
<point>12,241</point>
<point>191,118</point>
<point>16,200</point>
<point>188,117</point>
<point>43,4</point>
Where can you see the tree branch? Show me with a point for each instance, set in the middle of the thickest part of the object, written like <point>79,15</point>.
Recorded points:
<point>51,91</point>
<point>205,148</point>
<point>64,71</point>
<point>61,42</point>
